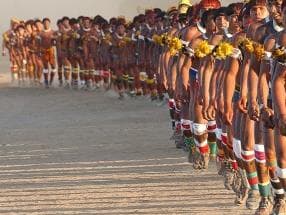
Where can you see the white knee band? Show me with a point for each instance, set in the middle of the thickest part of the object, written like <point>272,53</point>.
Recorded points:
<point>212,126</point>
<point>178,125</point>
<point>192,124</point>
<point>277,191</point>
<point>218,133</point>
<point>281,173</point>
<point>75,70</point>
<point>237,148</point>
<point>54,70</point>
<point>45,71</point>
<point>259,153</point>
<point>186,124</point>
<point>247,155</point>
<point>177,109</point>
<point>199,129</point>
<point>224,138</point>
<point>171,104</point>
<point>96,72</point>
<point>201,144</point>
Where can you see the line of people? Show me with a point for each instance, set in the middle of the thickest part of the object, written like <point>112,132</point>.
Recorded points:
<point>88,53</point>
<point>225,75</point>
<point>223,70</point>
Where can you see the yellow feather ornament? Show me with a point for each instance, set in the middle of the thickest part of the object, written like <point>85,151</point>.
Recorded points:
<point>203,49</point>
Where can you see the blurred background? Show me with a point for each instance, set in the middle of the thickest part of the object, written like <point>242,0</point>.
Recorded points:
<point>54,9</point>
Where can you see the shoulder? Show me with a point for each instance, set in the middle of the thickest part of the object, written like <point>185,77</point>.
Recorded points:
<point>252,29</point>
<point>192,30</point>
<point>192,33</point>
<point>172,31</point>
<point>261,32</point>
<point>282,38</point>
<point>269,43</point>
<point>195,42</point>
<point>215,39</point>
<point>237,38</point>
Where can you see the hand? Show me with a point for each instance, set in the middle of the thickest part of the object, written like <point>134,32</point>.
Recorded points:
<point>228,117</point>
<point>242,104</point>
<point>220,105</point>
<point>3,53</point>
<point>211,111</point>
<point>199,97</point>
<point>185,94</point>
<point>282,124</point>
<point>267,116</point>
<point>205,107</point>
<point>266,113</point>
<point>254,112</point>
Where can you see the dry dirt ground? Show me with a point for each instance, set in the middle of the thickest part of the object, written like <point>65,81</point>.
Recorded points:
<point>75,152</point>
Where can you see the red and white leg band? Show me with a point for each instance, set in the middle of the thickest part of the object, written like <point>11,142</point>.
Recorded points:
<point>218,133</point>
<point>237,148</point>
<point>247,156</point>
<point>212,126</point>
<point>224,138</point>
<point>45,71</point>
<point>186,125</point>
<point>171,104</point>
<point>105,74</point>
<point>281,173</point>
<point>199,129</point>
<point>177,110</point>
<point>260,156</point>
<point>15,68</point>
<point>203,146</point>
<point>178,126</point>
<point>177,107</point>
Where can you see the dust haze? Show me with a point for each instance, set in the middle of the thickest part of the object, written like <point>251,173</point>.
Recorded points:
<point>27,9</point>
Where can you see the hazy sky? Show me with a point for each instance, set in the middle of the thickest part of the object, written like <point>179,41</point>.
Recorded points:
<point>26,9</point>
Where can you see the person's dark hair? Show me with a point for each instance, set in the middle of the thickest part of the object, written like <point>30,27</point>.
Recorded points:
<point>157,10</point>
<point>283,4</point>
<point>236,7</point>
<point>37,21</point>
<point>80,18</point>
<point>208,14</point>
<point>223,11</point>
<point>86,18</point>
<point>112,21</point>
<point>29,22</point>
<point>141,18</point>
<point>20,27</point>
<point>73,21</point>
<point>46,19</point>
<point>59,21</point>
<point>65,18</point>
<point>245,12</point>
<point>182,17</point>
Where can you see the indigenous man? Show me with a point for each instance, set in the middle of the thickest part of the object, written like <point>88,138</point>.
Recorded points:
<point>118,55</point>
<point>264,148</point>
<point>9,42</point>
<point>278,95</point>
<point>231,91</point>
<point>258,13</point>
<point>47,41</point>
<point>74,52</point>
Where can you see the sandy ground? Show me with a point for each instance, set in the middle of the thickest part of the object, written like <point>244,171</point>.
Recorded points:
<point>74,152</point>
